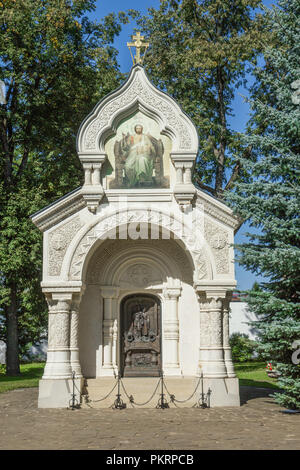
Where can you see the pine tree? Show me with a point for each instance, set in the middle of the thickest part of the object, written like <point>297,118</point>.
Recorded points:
<point>270,199</point>
<point>199,53</point>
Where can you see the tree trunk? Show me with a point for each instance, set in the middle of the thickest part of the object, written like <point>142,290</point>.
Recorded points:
<point>12,342</point>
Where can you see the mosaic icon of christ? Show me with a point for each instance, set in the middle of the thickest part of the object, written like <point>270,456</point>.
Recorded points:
<point>139,153</point>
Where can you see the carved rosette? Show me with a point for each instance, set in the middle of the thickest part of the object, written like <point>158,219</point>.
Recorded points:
<point>217,238</point>
<point>59,241</point>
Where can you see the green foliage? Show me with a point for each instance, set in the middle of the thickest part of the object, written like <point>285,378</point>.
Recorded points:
<point>270,199</point>
<point>242,347</point>
<point>56,64</point>
<point>30,376</point>
<point>199,53</point>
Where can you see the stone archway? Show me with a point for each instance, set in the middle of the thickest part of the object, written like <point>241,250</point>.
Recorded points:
<point>120,268</point>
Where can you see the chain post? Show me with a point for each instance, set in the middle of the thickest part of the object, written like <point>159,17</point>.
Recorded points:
<point>204,399</point>
<point>162,402</point>
<point>118,403</point>
<point>73,403</point>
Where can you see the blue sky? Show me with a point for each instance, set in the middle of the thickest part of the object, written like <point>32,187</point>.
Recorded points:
<point>240,108</point>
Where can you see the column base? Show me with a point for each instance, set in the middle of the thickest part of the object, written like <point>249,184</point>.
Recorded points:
<point>172,371</point>
<point>224,392</point>
<point>107,372</point>
<point>57,393</point>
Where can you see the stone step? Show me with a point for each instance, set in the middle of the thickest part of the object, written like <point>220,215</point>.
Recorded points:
<point>141,389</point>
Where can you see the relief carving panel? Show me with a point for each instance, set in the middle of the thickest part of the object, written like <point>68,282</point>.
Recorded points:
<point>217,238</point>
<point>59,241</point>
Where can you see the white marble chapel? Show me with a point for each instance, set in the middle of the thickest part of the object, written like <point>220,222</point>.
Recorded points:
<point>138,267</point>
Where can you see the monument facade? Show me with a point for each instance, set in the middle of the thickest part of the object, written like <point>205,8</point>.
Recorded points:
<point>138,264</point>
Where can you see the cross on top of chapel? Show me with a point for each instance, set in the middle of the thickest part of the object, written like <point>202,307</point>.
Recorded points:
<point>138,44</point>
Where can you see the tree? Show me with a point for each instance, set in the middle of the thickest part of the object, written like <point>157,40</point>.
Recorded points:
<point>199,53</point>
<point>271,200</point>
<point>56,64</point>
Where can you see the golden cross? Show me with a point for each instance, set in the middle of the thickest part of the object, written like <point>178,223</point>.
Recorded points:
<point>138,44</point>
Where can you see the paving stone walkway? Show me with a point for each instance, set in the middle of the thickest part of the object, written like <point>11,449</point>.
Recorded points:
<point>257,424</point>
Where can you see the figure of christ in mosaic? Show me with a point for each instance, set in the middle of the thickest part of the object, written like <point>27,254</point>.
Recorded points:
<point>140,153</point>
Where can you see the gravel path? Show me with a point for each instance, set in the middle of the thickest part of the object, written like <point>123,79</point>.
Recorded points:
<point>257,424</point>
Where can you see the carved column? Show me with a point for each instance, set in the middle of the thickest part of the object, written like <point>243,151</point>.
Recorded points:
<point>74,337</point>
<point>188,172</point>
<point>110,330</point>
<point>184,190</point>
<point>226,346</point>
<point>211,357</point>
<point>179,173</point>
<point>171,332</point>
<point>115,345</point>
<point>92,190</point>
<point>58,364</point>
<point>87,173</point>
<point>96,173</point>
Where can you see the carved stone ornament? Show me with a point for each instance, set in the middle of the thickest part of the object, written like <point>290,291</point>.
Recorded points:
<point>111,222</point>
<point>58,330</point>
<point>105,254</point>
<point>136,89</point>
<point>211,323</point>
<point>59,241</point>
<point>217,238</point>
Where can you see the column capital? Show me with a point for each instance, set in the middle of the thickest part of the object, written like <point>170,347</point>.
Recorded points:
<point>172,292</point>
<point>59,302</point>
<point>75,302</point>
<point>97,165</point>
<point>213,292</point>
<point>109,292</point>
<point>88,166</point>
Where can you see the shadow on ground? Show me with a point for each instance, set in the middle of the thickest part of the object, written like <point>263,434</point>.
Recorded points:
<point>250,393</point>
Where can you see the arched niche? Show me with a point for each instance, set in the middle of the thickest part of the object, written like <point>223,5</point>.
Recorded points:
<point>138,264</point>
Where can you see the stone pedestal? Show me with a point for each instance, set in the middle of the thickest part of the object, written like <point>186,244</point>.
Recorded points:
<point>57,393</point>
<point>215,363</point>
<point>56,387</point>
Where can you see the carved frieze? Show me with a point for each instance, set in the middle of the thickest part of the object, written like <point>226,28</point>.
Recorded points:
<point>105,226</point>
<point>59,241</point>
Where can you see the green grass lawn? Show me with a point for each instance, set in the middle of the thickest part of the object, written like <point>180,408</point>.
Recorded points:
<point>250,373</point>
<point>254,374</point>
<point>30,376</point>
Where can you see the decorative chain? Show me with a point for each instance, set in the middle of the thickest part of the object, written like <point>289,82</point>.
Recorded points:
<point>101,399</point>
<point>203,402</point>
<point>131,399</point>
<point>172,397</point>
